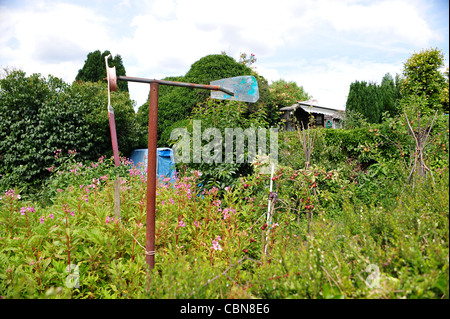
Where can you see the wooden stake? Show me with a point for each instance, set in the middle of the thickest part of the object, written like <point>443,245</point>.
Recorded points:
<point>117,197</point>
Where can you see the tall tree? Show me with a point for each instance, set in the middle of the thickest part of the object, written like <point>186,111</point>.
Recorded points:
<point>355,97</point>
<point>373,103</point>
<point>94,69</point>
<point>372,100</point>
<point>389,91</point>
<point>285,93</point>
<point>422,76</point>
<point>176,103</point>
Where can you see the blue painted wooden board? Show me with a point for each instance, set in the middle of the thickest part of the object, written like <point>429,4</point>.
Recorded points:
<point>245,88</point>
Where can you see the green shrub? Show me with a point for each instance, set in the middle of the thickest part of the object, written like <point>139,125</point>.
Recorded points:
<point>176,103</point>
<point>220,115</point>
<point>39,116</point>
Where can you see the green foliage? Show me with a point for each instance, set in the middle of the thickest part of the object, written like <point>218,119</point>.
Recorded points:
<point>369,234</point>
<point>220,115</point>
<point>390,94</point>
<point>129,132</point>
<point>214,67</point>
<point>422,77</point>
<point>176,103</point>
<point>213,247</point>
<point>94,68</point>
<point>371,100</point>
<point>286,93</point>
<point>363,98</point>
<point>40,116</point>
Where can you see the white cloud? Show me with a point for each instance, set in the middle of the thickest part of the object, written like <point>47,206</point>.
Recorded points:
<point>163,8</point>
<point>391,21</point>
<point>51,37</point>
<point>323,45</point>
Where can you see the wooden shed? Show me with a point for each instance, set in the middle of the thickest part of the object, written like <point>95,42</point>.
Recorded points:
<point>301,113</point>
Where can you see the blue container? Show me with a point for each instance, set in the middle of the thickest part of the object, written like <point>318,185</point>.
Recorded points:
<point>165,164</point>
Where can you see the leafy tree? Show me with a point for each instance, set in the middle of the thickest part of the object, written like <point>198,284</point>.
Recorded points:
<point>94,96</point>
<point>285,93</point>
<point>39,116</point>
<point>422,76</point>
<point>176,103</point>
<point>94,68</point>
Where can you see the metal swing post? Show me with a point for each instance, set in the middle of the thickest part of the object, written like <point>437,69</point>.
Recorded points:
<point>151,174</point>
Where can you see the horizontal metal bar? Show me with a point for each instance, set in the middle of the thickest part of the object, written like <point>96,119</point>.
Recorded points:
<point>174,83</point>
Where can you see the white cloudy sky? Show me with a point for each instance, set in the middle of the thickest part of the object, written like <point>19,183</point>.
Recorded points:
<point>322,45</point>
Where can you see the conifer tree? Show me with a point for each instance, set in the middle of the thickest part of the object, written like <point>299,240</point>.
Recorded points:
<point>94,69</point>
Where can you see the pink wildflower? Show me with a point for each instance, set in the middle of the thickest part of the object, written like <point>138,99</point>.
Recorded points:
<point>108,219</point>
<point>11,193</point>
<point>181,223</point>
<point>42,219</point>
<point>30,209</point>
<point>216,245</point>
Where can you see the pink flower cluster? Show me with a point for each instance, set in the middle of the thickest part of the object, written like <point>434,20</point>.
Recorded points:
<point>29,209</point>
<point>109,219</point>
<point>57,152</point>
<point>215,243</point>
<point>11,194</point>
<point>213,191</point>
<point>42,219</point>
<point>134,172</point>
<point>226,212</point>
<point>183,187</point>
<point>67,210</point>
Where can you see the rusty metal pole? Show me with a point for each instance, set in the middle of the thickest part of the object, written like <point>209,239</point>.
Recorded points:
<point>151,174</point>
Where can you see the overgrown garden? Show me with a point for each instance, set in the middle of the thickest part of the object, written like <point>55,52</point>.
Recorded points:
<point>359,212</point>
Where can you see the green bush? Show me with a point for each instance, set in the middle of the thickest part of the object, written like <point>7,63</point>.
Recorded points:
<point>220,115</point>
<point>39,116</point>
<point>176,103</point>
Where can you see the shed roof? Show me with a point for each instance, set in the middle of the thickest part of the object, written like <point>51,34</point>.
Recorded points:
<point>310,107</point>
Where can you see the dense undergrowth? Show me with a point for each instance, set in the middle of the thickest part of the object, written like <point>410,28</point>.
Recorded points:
<point>371,234</point>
